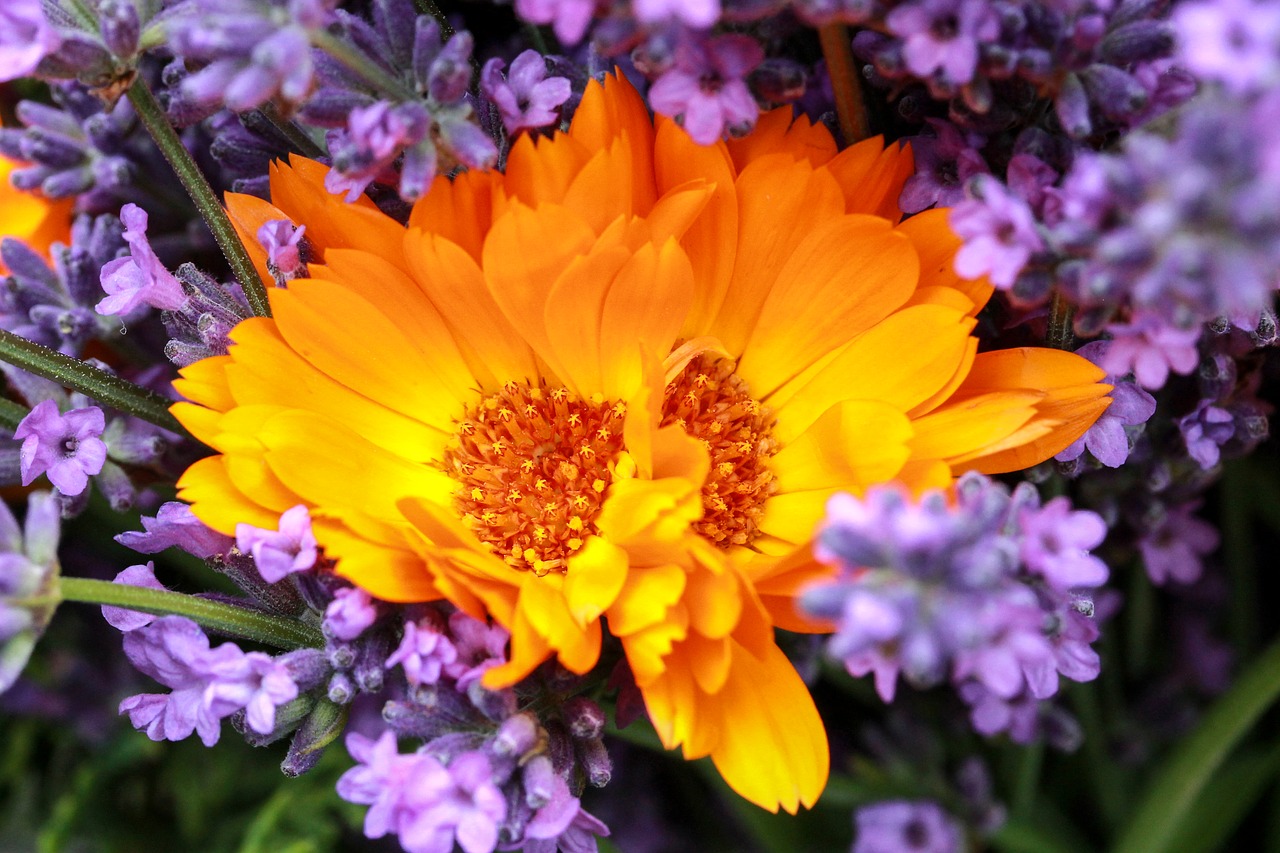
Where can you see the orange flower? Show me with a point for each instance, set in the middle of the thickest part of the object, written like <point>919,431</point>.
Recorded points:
<point>31,218</point>
<point>615,386</point>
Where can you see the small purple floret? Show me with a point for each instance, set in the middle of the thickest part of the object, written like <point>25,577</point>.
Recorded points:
<point>68,447</point>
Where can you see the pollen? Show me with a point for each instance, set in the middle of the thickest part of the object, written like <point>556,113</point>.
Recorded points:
<point>532,467</point>
<point>714,405</point>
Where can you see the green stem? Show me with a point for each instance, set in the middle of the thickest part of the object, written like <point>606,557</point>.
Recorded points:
<point>1060,334</point>
<point>851,109</point>
<point>1156,822</point>
<point>11,413</point>
<point>226,619</point>
<point>365,68</point>
<point>106,388</point>
<point>206,200</point>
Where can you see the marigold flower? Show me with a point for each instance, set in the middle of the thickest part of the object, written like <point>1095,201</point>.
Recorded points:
<point>31,218</point>
<point>617,384</point>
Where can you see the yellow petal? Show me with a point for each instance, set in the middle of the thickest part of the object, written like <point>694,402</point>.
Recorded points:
<point>854,444</point>
<point>595,576</point>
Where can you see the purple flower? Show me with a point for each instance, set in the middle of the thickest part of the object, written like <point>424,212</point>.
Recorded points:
<point>569,18</point>
<point>942,36</point>
<point>562,824</point>
<point>706,89</point>
<point>1149,348</point>
<point>699,14</point>
<point>123,619</point>
<point>999,233</point>
<point>1130,406</point>
<point>527,98</point>
<point>277,553</point>
<point>176,525</point>
<point>283,242</point>
<point>1232,42</point>
<point>414,796</point>
<point>901,826</point>
<point>140,278</point>
<point>66,446</point>
<point>350,613</point>
<point>375,136</point>
<point>26,37</point>
<point>1205,431</point>
<point>944,164</point>
<point>479,646</point>
<point>1056,542</point>
<point>28,566</point>
<point>1175,548</point>
<point>424,652</point>
<point>207,684</point>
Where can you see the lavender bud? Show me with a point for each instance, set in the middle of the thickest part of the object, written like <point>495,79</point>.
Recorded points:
<point>341,655</point>
<point>287,718</point>
<point>450,73</point>
<point>341,688</point>
<point>595,761</point>
<point>1140,41</point>
<point>371,660</point>
<point>539,782</point>
<point>119,26</point>
<point>778,80</point>
<point>307,667</point>
<point>426,44</point>
<point>517,735</point>
<point>1117,94</point>
<point>115,486</point>
<point>321,727</point>
<point>494,704</point>
<point>584,718</point>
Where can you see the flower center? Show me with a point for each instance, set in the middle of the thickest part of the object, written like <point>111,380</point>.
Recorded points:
<point>712,404</point>
<point>532,465</point>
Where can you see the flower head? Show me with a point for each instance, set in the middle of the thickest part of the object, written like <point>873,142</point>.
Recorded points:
<point>26,37</point>
<point>527,97</point>
<point>139,278</point>
<point>618,384</point>
<point>28,566</point>
<point>900,825</point>
<point>66,446</point>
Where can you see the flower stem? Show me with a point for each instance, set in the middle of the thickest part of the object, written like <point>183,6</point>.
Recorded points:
<point>11,413</point>
<point>240,622</point>
<point>367,69</point>
<point>206,200</point>
<point>1059,335</point>
<point>851,109</point>
<point>104,387</point>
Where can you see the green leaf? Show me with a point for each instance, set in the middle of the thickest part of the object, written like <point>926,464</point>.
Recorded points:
<point>1226,801</point>
<point>1180,783</point>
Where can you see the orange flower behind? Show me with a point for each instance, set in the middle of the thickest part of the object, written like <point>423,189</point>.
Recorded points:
<point>30,218</point>
<point>608,393</point>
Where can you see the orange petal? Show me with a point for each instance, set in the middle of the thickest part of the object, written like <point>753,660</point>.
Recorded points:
<point>872,176</point>
<point>219,504</point>
<point>459,210</point>
<point>780,130</point>
<point>249,213</point>
<point>937,245</point>
<point>853,445</point>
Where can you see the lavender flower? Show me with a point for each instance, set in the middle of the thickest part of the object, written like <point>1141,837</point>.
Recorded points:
<point>569,18</point>
<point>944,164</point>
<point>68,447</point>
<point>898,826</point>
<point>285,249</point>
<point>175,525</point>
<point>1175,548</point>
<point>706,88</point>
<point>527,97</point>
<point>1205,430</point>
<point>423,653</point>
<point>123,619</point>
<point>256,50</point>
<point>999,231</point>
<point>26,37</point>
<point>28,569</point>
<point>981,593</point>
<point>699,14</point>
<point>1149,348</point>
<point>375,136</point>
<point>279,553</point>
<point>1235,43</point>
<point>207,684</point>
<point>349,613</point>
<point>139,278</point>
<point>1107,440</point>
<point>941,36</point>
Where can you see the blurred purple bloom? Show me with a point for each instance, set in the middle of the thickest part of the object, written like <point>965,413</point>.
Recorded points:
<point>28,566</point>
<point>1175,548</point>
<point>527,98</point>
<point>479,646</point>
<point>415,797</point>
<point>944,164</point>
<point>999,233</point>
<point>350,613</point>
<point>423,653</point>
<point>943,36</point>
<point>1149,348</point>
<point>262,684</point>
<point>1232,42</point>
<point>375,136</point>
<point>1056,541</point>
<point>123,619</point>
<point>569,18</point>
<point>1205,431</point>
<point>139,278</point>
<point>175,525</point>
<point>278,553</point>
<point>699,14</point>
<point>1130,406</point>
<point>578,837</point>
<point>68,447</point>
<point>26,37</point>
<point>901,826</point>
<point>706,89</point>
